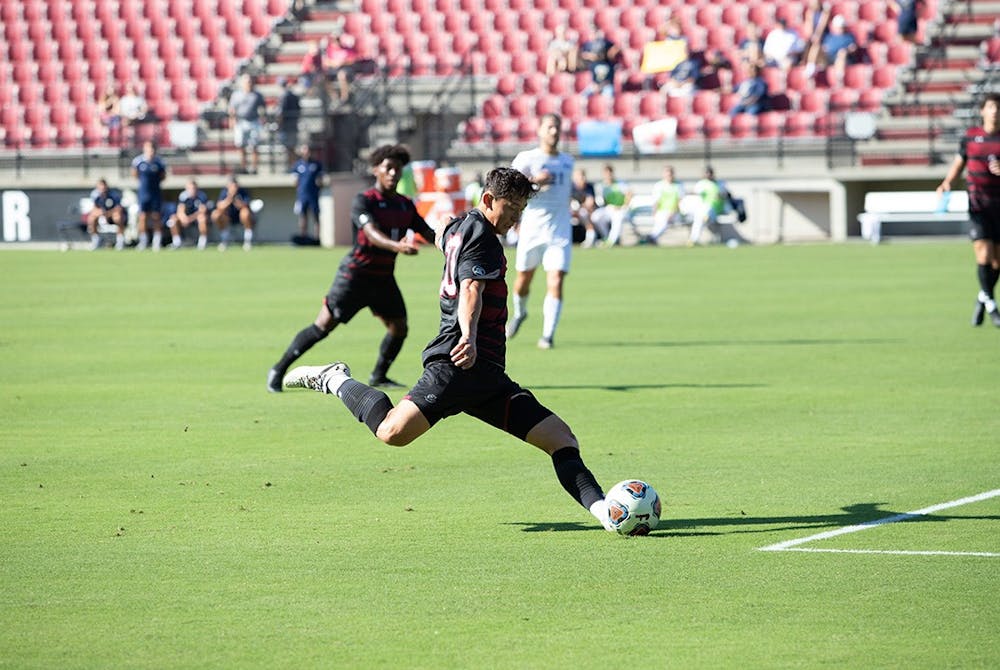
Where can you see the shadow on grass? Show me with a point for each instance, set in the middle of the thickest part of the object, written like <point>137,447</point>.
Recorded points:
<point>794,342</point>
<point>635,387</point>
<point>851,515</point>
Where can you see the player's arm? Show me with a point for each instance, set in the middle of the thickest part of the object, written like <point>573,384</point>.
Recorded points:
<point>422,228</point>
<point>956,169</point>
<point>470,306</point>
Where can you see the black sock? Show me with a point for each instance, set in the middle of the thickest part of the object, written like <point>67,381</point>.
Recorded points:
<point>994,275</point>
<point>370,406</point>
<point>301,343</point>
<point>387,352</point>
<point>575,477</point>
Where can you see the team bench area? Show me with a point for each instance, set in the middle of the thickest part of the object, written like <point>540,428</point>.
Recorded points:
<point>890,213</point>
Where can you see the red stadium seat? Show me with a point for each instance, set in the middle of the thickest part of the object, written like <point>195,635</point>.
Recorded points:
<point>770,124</point>
<point>743,126</point>
<point>717,126</point>
<point>884,77</point>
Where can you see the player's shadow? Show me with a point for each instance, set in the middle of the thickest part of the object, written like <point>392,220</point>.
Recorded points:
<point>850,515</point>
<point>636,387</point>
<point>790,342</point>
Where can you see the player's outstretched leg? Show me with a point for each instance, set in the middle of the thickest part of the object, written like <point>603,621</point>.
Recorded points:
<point>368,405</point>
<point>580,483</point>
<point>322,378</point>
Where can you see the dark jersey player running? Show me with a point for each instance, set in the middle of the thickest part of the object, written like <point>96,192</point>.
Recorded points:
<point>464,364</point>
<point>979,151</point>
<point>365,278</point>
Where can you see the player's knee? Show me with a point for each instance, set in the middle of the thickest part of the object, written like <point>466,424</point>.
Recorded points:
<point>393,434</point>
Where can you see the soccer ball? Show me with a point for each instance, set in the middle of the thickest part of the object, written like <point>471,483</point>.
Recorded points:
<point>633,507</point>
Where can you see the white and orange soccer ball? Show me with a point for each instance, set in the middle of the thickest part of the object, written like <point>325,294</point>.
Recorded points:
<point>633,507</point>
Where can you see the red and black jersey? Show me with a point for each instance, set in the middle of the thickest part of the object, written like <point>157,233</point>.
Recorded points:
<point>984,187</point>
<point>472,251</point>
<point>393,215</point>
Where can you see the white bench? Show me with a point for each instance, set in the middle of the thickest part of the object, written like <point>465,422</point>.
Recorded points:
<point>913,213</point>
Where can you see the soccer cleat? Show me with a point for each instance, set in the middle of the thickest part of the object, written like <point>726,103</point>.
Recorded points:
<point>978,314</point>
<point>995,317</point>
<point>314,376</point>
<point>515,325</point>
<point>545,343</point>
<point>223,245</point>
<point>273,381</point>
<point>384,382</point>
<point>247,245</point>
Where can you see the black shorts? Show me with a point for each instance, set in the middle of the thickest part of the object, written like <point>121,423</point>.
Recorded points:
<point>484,392</point>
<point>984,225</point>
<point>350,294</point>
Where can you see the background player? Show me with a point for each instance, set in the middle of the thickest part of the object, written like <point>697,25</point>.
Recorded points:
<point>979,150</point>
<point>107,204</point>
<point>382,219</point>
<point>545,235</point>
<point>308,181</point>
<point>150,170</point>
<point>464,365</point>
<point>192,208</point>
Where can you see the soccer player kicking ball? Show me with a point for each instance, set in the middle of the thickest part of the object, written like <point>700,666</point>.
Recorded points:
<point>464,365</point>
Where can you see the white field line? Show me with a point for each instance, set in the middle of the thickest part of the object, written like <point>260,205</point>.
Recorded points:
<point>789,545</point>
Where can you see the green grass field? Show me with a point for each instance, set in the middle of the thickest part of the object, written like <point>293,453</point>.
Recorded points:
<point>160,509</point>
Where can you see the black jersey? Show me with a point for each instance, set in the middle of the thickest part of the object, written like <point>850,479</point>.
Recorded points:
<point>984,187</point>
<point>392,214</point>
<point>472,251</point>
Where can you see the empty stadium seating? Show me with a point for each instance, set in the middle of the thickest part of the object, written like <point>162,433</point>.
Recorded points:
<point>61,53</point>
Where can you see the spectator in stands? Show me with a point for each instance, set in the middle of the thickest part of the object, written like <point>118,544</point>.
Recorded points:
<point>667,194</point>
<point>288,113</point>
<point>600,56</point>
<point>752,91</point>
<point>979,151</point>
<point>751,47</point>
<point>132,107</point>
<point>714,197</point>
<point>111,116</point>
<point>836,49</point>
<point>311,76</point>
<point>614,198</point>
<point>246,107</point>
<point>107,205</point>
<point>815,19</point>
<point>150,170</point>
<point>665,58</point>
<point>583,202</point>
<point>338,62</point>
<point>715,72</point>
<point>563,53</point>
<point>906,17</point>
<point>192,208</point>
<point>989,50</point>
<point>308,183</point>
<point>783,46</point>
<point>233,206</point>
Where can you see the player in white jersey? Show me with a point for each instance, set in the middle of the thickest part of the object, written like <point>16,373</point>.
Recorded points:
<point>545,235</point>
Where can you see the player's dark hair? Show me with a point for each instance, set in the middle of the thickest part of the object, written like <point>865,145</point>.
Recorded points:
<point>506,182</point>
<point>396,152</point>
<point>991,97</point>
<point>551,115</point>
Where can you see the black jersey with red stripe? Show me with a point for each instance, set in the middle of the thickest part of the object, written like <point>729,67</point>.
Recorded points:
<point>473,251</point>
<point>393,215</point>
<point>984,187</point>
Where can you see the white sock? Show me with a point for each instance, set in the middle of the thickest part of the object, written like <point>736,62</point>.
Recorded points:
<point>119,240</point>
<point>991,305</point>
<point>519,310</point>
<point>589,237</point>
<point>202,241</point>
<point>551,308</point>
<point>600,511</point>
<point>176,242</point>
<point>157,240</point>
<point>332,383</point>
<point>248,235</point>
<point>95,239</point>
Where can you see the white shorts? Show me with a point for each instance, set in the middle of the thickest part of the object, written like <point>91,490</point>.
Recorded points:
<point>554,255</point>
<point>246,133</point>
